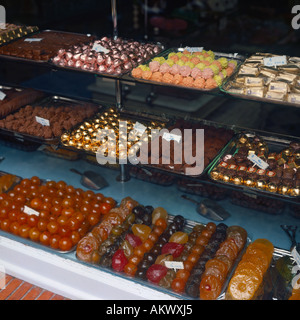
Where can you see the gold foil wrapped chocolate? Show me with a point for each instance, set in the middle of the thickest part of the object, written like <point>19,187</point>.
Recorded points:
<point>237,180</point>
<point>271,187</point>
<point>260,184</point>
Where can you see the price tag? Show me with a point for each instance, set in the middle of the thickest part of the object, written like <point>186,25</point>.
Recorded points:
<point>169,137</point>
<point>258,161</point>
<point>98,48</point>
<point>33,39</point>
<point>42,121</point>
<point>29,210</point>
<point>140,128</point>
<point>275,61</point>
<point>174,265</point>
<point>194,49</point>
<point>2,95</point>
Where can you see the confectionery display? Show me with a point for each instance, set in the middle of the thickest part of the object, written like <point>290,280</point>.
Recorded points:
<point>247,281</point>
<point>87,136</point>
<point>42,46</point>
<point>88,247</point>
<point>106,56</point>
<point>202,70</point>
<point>117,234</point>
<point>47,119</point>
<point>215,139</point>
<point>257,79</point>
<point>10,32</point>
<point>145,243</point>
<point>280,174</point>
<point>13,99</point>
<point>53,214</point>
<point>217,268</point>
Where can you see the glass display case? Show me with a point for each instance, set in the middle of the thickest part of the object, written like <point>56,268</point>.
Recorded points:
<point>260,212</point>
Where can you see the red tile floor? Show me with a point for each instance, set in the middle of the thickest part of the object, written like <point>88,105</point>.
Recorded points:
<point>16,289</point>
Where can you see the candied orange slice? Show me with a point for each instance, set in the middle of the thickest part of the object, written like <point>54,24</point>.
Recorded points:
<point>210,287</point>
<point>244,284</point>
<point>259,262</point>
<point>249,265</point>
<point>261,250</point>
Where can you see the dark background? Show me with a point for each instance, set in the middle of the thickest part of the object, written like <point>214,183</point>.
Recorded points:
<point>245,25</point>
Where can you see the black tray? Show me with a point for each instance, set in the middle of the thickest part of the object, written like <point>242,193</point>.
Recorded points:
<point>275,144</point>
<point>46,102</point>
<point>239,58</point>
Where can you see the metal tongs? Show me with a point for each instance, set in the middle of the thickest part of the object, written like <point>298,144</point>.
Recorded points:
<point>291,233</point>
<point>209,209</point>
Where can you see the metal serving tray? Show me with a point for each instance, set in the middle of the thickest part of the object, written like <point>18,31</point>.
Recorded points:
<point>201,122</point>
<point>228,82</point>
<point>46,102</point>
<point>39,34</point>
<point>239,58</point>
<point>275,144</point>
<point>105,74</point>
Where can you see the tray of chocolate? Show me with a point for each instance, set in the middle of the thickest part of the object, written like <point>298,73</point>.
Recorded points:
<point>166,252</point>
<point>45,120</point>
<point>107,56</point>
<point>185,151</point>
<point>188,67</point>
<point>10,32</point>
<point>264,165</point>
<point>11,99</point>
<point>42,46</point>
<point>127,129</point>
<point>268,78</point>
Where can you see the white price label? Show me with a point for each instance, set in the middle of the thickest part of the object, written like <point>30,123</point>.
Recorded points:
<point>140,128</point>
<point>42,121</point>
<point>194,49</point>
<point>98,48</point>
<point>33,39</point>
<point>258,161</point>
<point>2,95</point>
<point>275,61</point>
<point>171,137</point>
<point>30,211</point>
<point>177,265</point>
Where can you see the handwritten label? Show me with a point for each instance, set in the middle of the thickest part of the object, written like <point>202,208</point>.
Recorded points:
<point>258,161</point>
<point>33,39</point>
<point>177,265</point>
<point>194,49</point>
<point>98,48</point>
<point>140,128</point>
<point>42,121</point>
<point>2,95</point>
<point>275,61</point>
<point>29,210</point>
<point>171,137</point>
